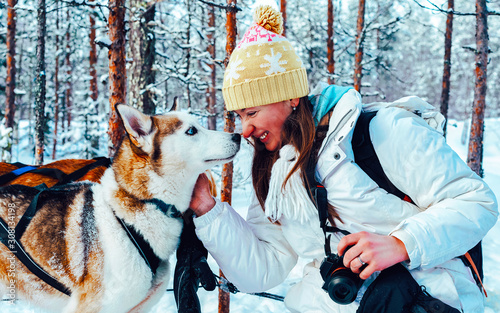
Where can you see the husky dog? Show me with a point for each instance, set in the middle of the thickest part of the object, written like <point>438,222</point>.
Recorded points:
<point>79,234</point>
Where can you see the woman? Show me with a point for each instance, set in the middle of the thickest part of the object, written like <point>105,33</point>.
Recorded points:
<point>266,86</point>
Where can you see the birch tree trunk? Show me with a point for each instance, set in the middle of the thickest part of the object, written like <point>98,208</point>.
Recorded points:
<point>330,48</point>
<point>227,169</point>
<point>40,83</point>
<point>475,155</point>
<point>358,57</point>
<point>117,74</point>
<point>445,93</point>
<point>10,81</point>
<point>142,53</point>
<point>211,91</point>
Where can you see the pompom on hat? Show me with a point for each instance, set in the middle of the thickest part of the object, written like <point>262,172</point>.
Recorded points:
<point>263,67</point>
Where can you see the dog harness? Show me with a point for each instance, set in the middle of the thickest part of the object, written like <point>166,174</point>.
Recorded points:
<point>62,177</point>
<point>144,248</point>
<point>11,238</point>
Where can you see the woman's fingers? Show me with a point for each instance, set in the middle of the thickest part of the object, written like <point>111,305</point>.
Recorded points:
<point>366,253</point>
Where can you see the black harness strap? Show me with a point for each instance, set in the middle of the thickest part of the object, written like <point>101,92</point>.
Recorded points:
<point>30,212</point>
<point>11,238</point>
<point>5,178</point>
<point>144,248</point>
<point>100,161</point>
<point>62,177</point>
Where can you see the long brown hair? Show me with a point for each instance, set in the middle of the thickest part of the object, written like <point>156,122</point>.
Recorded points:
<point>298,130</point>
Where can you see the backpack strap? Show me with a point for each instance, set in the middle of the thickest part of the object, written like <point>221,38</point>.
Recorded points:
<point>367,159</point>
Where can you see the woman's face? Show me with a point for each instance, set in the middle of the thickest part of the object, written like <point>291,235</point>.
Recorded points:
<point>264,123</point>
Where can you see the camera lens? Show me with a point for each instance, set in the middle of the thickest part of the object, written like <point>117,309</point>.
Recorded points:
<point>343,287</point>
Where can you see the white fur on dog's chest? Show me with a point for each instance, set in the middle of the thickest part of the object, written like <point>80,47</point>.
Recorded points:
<point>126,276</point>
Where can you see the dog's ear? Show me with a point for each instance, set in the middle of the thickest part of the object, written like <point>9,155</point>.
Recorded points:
<point>138,126</point>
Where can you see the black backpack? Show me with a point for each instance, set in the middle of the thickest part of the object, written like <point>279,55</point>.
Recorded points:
<point>367,160</point>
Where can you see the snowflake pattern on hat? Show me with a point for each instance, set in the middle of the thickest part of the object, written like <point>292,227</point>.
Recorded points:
<point>233,69</point>
<point>274,63</point>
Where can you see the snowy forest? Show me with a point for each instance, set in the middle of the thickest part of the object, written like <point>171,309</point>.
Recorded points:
<point>65,64</point>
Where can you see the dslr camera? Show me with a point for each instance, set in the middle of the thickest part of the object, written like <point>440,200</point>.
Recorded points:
<point>340,282</point>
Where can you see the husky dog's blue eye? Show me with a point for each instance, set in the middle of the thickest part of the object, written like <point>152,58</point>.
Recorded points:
<point>191,131</point>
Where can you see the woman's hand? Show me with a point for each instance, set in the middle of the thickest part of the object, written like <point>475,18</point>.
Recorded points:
<point>202,201</point>
<point>377,251</point>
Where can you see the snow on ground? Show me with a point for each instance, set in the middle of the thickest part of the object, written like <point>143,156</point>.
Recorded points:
<point>243,303</point>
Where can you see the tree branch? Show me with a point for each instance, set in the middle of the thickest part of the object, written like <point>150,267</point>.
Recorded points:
<point>438,9</point>
<point>230,8</point>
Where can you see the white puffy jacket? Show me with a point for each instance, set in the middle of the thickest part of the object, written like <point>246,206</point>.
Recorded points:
<point>454,210</point>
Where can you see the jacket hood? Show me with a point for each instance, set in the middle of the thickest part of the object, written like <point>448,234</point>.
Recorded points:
<point>324,97</point>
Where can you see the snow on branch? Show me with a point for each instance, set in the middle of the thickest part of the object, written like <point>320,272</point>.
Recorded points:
<point>435,8</point>
<point>229,8</point>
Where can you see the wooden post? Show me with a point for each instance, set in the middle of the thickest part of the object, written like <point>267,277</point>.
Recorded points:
<point>475,155</point>
<point>227,169</point>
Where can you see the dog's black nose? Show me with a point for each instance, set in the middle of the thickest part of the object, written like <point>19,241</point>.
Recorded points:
<point>236,138</point>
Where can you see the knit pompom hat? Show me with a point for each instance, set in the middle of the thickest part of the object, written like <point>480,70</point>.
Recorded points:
<point>264,67</point>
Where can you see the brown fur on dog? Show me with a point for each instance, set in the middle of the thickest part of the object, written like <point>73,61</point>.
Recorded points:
<point>76,236</point>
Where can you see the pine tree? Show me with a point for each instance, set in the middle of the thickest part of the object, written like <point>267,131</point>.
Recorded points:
<point>211,91</point>
<point>283,14</point>
<point>94,92</point>
<point>330,48</point>
<point>229,124</point>
<point>10,81</point>
<point>68,102</point>
<point>475,155</point>
<point>445,93</point>
<point>56,86</point>
<point>40,83</point>
<point>358,58</point>
<point>142,54</point>
<point>117,74</point>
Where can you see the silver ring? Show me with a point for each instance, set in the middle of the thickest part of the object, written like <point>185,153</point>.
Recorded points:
<point>361,261</point>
